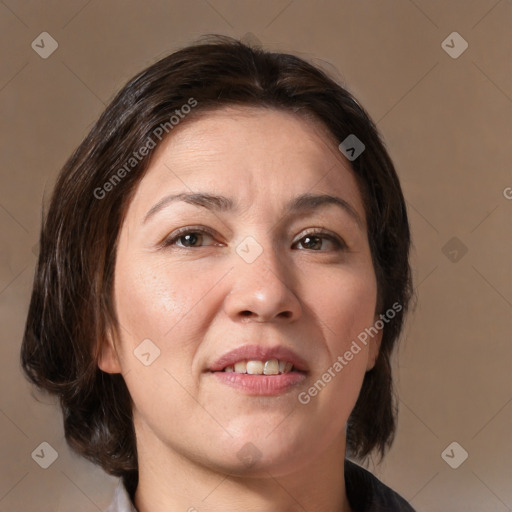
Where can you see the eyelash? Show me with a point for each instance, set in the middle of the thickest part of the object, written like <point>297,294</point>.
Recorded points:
<point>338,242</point>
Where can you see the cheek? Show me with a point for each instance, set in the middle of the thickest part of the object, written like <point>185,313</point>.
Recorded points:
<point>158,304</point>
<point>345,306</point>
<point>344,300</point>
<point>151,300</point>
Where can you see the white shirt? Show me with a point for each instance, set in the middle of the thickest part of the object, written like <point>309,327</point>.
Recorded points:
<point>121,501</point>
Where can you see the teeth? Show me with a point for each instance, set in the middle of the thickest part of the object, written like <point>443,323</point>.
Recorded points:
<point>241,367</point>
<point>254,367</point>
<point>271,367</point>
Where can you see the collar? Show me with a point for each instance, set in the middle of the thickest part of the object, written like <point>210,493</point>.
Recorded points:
<point>121,501</point>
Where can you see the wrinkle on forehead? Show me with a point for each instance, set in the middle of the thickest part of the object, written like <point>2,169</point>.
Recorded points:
<point>280,152</point>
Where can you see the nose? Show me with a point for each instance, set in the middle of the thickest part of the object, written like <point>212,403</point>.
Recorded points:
<point>263,291</point>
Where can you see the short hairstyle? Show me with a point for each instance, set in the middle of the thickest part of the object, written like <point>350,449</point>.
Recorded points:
<point>71,309</point>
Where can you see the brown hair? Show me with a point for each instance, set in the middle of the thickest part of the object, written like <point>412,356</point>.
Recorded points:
<point>71,308</point>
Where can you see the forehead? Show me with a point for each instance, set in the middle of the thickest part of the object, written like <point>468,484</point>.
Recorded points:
<point>245,153</point>
<point>236,131</point>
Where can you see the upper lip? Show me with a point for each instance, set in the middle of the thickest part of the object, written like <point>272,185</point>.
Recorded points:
<point>258,353</point>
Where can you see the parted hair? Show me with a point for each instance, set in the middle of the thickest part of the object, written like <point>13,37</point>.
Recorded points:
<point>71,309</point>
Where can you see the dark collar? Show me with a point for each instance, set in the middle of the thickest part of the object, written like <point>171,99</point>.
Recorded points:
<point>366,493</point>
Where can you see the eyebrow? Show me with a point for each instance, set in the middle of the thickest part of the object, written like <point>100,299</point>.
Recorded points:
<point>303,203</point>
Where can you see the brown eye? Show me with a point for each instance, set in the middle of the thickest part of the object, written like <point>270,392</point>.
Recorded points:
<point>313,241</point>
<point>189,238</point>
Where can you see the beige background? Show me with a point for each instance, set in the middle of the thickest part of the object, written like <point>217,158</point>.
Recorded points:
<point>447,124</point>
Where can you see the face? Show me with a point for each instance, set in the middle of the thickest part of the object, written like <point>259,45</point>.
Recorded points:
<point>260,273</point>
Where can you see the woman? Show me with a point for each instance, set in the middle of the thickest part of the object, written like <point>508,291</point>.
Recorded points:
<point>222,278</point>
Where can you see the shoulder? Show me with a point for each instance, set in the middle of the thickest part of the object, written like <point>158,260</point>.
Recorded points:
<point>366,493</point>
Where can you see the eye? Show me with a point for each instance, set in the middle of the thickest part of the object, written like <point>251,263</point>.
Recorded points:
<point>314,239</point>
<point>190,236</point>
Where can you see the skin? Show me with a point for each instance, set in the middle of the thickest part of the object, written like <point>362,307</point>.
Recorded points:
<point>196,303</point>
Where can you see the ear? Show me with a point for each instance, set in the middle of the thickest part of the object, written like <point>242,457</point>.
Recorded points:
<point>374,348</point>
<point>108,360</point>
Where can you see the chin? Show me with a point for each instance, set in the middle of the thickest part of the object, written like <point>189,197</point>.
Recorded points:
<point>256,453</point>
<point>249,461</point>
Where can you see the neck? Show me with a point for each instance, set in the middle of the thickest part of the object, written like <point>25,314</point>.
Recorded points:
<point>169,481</point>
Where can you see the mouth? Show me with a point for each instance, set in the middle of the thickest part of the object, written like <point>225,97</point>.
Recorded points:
<point>260,360</point>
<point>256,370</point>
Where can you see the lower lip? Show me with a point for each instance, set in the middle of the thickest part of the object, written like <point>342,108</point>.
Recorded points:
<point>262,385</point>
